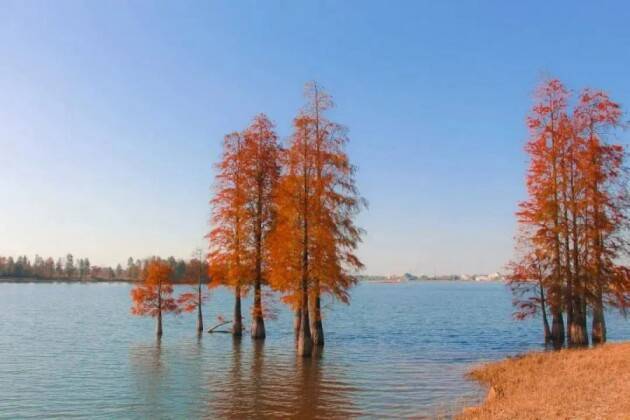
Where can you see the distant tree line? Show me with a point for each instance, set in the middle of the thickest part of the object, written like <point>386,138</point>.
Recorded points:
<point>71,269</point>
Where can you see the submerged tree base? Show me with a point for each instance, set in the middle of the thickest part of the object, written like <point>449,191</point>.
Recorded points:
<point>318,333</point>
<point>305,345</point>
<point>296,323</point>
<point>304,341</point>
<point>158,326</point>
<point>258,329</point>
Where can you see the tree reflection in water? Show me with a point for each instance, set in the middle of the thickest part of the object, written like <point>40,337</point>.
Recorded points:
<point>276,385</point>
<point>149,374</point>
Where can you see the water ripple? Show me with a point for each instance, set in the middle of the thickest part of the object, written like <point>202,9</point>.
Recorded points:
<point>73,351</point>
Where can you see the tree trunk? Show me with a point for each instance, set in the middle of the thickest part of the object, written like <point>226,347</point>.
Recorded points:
<point>297,319</point>
<point>305,343</point>
<point>317,329</point>
<point>543,307</point>
<point>158,329</point>
<point>258,322</point>
<point>579,335</point>
<point>199,320</point>
<point>237,326</point>
<point>199,312</point>
<point>599,322</point>
<point>570,312</point>
<point>557,326</point>
<point>569,290</point>
<point>557,329</point>
<point>312,317</point>
<point>258,325</point>
<point>546,329</point>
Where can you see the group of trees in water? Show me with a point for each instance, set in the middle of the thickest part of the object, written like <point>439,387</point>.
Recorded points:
<point>282,216</point>
<point>573,224</point>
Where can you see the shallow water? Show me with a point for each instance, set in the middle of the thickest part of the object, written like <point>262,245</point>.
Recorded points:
<point>73,350</point>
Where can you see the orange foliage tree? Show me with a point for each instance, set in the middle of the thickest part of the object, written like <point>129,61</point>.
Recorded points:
<point>154,295</point>
<point>261,169</point>
<point>314,238</point>
<point>575,214</point>
<point>528,280</point>
<point>290,239</point>
<point>604,207</point>
<point>243,214</point>
<point>230,257</point>
<point>196,272</point>
<point>540,214</point>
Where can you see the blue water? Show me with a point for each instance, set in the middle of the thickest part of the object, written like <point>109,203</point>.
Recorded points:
<point>73,350</point>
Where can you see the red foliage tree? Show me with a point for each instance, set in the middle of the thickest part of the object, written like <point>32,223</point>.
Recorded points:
<point>573,220</point>
<point>314,237</point>
<point>261,169</point>
<point>604,205</point>
<point>154,295</point>
<point>196,272</point>
<point>243,214</point>
<point>230,258</point>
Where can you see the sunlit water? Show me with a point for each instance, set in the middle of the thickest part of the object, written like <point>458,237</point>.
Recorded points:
<point>402,350</point>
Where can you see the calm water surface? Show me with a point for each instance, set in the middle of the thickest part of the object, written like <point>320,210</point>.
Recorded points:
<point>73,350</point>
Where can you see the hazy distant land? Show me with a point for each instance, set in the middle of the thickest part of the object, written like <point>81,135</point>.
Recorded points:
<point>395,278</point>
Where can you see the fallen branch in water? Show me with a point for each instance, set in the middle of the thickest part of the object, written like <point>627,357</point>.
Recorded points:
<point>212,330</point>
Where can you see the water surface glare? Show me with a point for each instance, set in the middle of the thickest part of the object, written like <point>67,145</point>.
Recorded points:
<point>401,350</point>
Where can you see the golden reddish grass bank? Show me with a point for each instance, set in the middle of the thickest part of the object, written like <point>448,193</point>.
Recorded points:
<point>584,384</point>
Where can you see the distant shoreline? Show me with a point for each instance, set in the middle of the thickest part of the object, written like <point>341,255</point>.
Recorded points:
<point>31,280</point>
<point>431,281</point>
<point>409,277</point>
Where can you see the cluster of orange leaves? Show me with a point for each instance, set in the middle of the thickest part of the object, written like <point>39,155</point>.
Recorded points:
<point>572,223</point>
<point>298,202</point>
<point>155,293</point>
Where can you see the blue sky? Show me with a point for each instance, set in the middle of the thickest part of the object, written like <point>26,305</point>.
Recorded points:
<point>112,114</point>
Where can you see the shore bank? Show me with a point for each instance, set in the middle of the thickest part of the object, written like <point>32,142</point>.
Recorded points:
<point>588,383</point>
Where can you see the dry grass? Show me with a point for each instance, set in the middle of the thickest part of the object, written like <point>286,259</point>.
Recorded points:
<point>569,384</point>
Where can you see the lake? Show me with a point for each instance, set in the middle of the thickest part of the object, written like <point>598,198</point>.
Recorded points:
<point>74,350</point>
